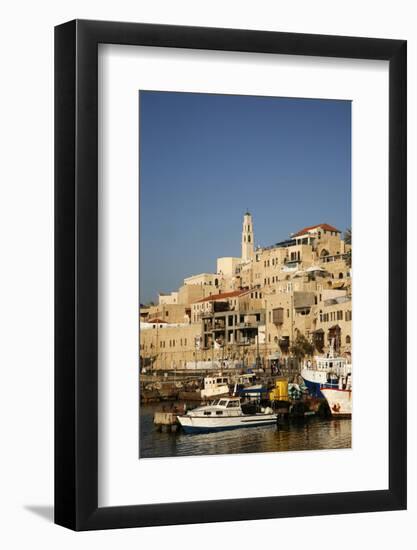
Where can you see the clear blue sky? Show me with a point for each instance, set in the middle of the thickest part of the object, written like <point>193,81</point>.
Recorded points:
<point>205,159</point>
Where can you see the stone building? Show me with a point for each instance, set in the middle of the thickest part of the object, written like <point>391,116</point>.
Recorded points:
<point>254,307</point>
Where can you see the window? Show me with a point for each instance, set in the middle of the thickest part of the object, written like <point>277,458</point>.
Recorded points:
<point>348,340</point>
<point>207,413</point>
<point>222,403</point>
<point>219,412</point>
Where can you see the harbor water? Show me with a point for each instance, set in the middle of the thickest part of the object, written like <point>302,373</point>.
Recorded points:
<point>313,433</point>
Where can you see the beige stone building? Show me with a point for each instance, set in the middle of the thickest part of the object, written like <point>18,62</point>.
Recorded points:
<point>165,346</point>
<point>168,313</point>
<point>254,307</point>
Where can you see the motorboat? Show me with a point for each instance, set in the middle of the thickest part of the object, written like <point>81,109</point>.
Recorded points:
<point>226,414</point>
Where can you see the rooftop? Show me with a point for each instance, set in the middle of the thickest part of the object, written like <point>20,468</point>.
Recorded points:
<point>324,226</point>
<point>222,296</point>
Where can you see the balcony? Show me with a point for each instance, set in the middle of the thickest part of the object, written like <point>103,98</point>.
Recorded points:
<point>246,342</point>
<point>278,316</point>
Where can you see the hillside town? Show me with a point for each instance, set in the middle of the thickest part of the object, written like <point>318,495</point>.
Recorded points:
<point>291,298</point>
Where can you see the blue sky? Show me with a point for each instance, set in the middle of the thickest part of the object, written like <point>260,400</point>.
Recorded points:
<point>205,159</point>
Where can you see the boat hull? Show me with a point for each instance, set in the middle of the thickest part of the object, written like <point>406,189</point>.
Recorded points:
<point>196,424</point>
<point>339,401</point>
<point>312,387</point>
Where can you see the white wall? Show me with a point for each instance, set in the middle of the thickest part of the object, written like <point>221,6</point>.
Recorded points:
<point>26,305</point>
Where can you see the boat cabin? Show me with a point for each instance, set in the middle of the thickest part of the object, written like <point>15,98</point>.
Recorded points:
<point>210,382</point>
<point>230,403</point>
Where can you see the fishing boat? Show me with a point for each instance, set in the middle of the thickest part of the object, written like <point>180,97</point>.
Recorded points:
<point>215,386</point>
<point>338,395</point>
<point>325,370</point>
<point>246,386</point>
<point>226,414</point>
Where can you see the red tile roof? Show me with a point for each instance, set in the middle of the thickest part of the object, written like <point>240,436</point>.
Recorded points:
<point>222,296</point>
<point>325,226</point>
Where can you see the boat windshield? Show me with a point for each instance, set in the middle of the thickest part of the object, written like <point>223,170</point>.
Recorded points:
<point>222,402</point>
<point>215,402</point>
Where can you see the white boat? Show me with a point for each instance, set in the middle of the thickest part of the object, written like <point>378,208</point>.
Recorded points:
<point>225,414</point>
<point>214,386</point>
<point>325,370</point>
<point>339,398</point>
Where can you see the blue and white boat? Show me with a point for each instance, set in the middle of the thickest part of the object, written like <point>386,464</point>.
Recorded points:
<point>226,414</point>
<point>324,371</point>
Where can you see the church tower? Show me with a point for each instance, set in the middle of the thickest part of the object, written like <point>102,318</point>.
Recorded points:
<point>247,238</point>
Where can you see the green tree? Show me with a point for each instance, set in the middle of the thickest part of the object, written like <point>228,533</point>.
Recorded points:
<point>348,236</point>
<point>301,347</point>
<point>348,240</point>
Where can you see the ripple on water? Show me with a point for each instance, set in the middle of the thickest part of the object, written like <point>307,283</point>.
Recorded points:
<point>313,434</point>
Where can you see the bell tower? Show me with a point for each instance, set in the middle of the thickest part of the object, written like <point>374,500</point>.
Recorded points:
<point>247,238</point>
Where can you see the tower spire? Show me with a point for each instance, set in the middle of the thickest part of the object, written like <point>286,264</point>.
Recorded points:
<point>247,237</point>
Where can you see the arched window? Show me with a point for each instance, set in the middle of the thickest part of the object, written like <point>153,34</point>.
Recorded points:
<point>216,282</point>
<point>340,275</point>
<point>348,339</point>
<point>248,238</point>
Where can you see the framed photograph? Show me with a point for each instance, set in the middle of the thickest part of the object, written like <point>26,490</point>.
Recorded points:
<point>230,338</point>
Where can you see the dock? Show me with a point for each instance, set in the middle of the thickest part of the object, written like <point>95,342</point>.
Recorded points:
<point>166,420</point>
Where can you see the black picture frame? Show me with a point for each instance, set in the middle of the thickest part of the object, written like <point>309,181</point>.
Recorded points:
<point>76,272</point>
